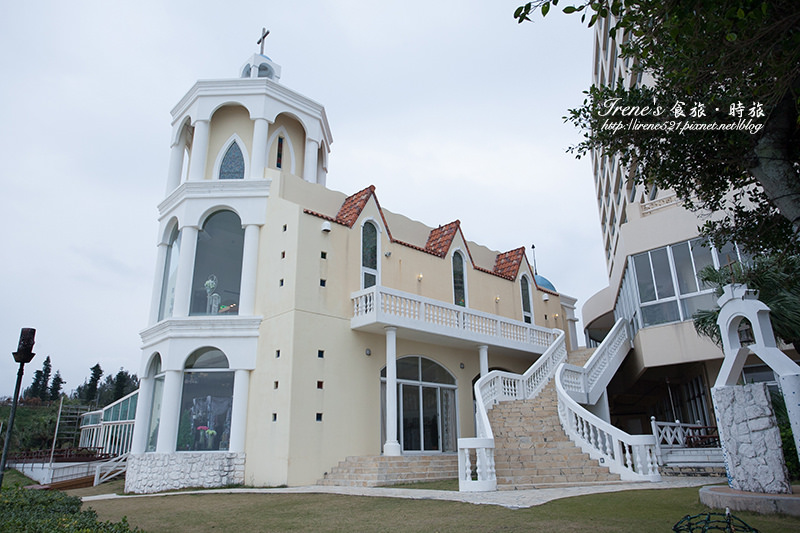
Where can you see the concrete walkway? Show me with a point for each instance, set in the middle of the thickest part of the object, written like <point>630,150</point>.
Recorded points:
<point>512,499</point>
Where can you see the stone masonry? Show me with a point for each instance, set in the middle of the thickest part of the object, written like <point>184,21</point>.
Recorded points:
<point>156,472</point>
<point>750,439</point>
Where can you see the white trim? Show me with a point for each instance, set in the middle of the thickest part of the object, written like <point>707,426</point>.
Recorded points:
<point>281,131</point>
<point>221,155</point>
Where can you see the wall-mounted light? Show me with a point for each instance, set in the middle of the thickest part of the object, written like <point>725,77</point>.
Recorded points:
<point>497,299</point>
<point>545,297</point>
<point>388,254</point>
<point>461,366</point>
<point>368,352</point>
<point>419,276</point>
<point>326,226</point>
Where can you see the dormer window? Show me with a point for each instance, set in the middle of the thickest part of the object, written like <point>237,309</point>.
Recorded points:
<point>232,167</point>
<point>369,255</point>
<point>459,285</point>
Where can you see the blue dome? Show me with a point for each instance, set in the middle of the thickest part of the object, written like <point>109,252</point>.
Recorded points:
<point>544,283</point>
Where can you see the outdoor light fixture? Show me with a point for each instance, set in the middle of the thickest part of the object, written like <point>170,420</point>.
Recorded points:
<point>388,254</point>
<point>24,354</point>
<point>497,299</point>
<point>419,277</point>
<point>368,352</point>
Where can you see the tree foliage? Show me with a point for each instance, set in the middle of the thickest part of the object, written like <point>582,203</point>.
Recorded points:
<point>777,280</point>
<point>732,63</point>
<point>40,387</point>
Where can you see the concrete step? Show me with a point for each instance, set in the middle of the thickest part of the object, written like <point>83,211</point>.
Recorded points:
<point>373,471</point>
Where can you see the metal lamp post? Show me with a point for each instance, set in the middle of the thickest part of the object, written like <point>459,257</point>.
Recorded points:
<point>23,355</point>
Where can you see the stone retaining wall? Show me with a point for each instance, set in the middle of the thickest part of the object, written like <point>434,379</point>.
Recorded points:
<point>156,472</point>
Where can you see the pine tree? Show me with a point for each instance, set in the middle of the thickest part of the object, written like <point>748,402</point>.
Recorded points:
<point>55,386</point>
<point>44,391</point>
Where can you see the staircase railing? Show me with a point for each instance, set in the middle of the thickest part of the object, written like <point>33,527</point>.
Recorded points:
<point>494,387</point>
<point>110,469</point>
<point>632,457</point>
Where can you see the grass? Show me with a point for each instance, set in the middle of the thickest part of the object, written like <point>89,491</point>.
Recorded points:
<point>630,511</point>
<point>12,478</point>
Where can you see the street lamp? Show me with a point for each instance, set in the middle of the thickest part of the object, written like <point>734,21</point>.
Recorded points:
<point>23,355</point>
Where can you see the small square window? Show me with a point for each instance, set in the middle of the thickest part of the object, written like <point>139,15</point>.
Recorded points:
<point>280,283</point>
<point>322,282</point>
<point>276,385</point>
<point>283,255</point>
<point>319,384</point>
<point>277,353</point>
<point>319,417</point>
<point>323,255</point>
<point>284,227</point>
<point>320,353</point>
<point>274,417</point>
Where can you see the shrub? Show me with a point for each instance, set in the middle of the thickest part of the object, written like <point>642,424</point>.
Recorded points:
<point>40,511</point>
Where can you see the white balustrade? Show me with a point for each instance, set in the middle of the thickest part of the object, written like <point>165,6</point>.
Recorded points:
<point>494,387</point>
<point>396,308</point>
<point>632,457</point>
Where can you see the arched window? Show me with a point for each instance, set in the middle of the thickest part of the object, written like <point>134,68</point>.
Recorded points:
<point>218,266</point>
<point>369,255</point>
<point>154,371</point>
<point>426,405</point>
<point>525,288</point>
<point>232,167</point>
<point>206,402</point>
<point>264,71</point>
<point>170,275</point>
<point>246,71</point>
<point>459,280</point>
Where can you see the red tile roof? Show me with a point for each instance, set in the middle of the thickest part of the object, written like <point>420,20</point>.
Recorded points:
<point>440,239</point>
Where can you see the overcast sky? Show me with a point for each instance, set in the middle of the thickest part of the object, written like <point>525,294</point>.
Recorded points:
<point>451,109</point>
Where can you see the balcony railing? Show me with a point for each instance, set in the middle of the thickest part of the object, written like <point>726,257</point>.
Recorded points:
<point>390,307</point>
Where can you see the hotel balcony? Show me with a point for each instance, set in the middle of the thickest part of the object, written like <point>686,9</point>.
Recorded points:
<point>437,322</point>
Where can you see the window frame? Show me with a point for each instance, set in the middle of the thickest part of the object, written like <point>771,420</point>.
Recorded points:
<point>461,254</point>
<point>365,271</point>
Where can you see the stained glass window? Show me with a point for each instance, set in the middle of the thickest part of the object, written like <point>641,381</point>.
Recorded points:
<point>459,288</point>
<point>232,167</point>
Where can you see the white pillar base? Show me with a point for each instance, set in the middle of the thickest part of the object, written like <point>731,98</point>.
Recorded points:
<point>392,449</point>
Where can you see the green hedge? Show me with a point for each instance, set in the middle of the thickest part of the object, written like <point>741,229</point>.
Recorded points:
<point>45,511</point>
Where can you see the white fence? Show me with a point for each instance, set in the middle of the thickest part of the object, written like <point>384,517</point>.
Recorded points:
<point>494,387</point>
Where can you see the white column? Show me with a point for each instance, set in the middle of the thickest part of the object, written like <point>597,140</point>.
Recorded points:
<point>247,289</point>
<point>391,446</point>
<point>183,282</point>
<point>258,160</point>
<point>175,164</point>
<point>310,161</point>
<point>143,406</point>
<point>170,410</point>
<point>241,386</point>
<point>197,161</point>
<point>483,358</point>
<point>155,298</point>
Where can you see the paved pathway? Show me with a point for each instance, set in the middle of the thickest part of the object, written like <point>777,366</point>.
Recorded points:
<point>512,499</point>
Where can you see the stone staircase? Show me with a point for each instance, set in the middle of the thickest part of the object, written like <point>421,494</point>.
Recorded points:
<point>531,448</point>
<point>374,471</point>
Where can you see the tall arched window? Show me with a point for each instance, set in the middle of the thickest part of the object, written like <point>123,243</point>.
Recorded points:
<point>459,280</point>
<point>206,402</point>
<point>157,374</point>
<point>232,167</point>
<point>369,255</point>
<point>170,275</point>
<point>525,288</point>
<point>218,265</point>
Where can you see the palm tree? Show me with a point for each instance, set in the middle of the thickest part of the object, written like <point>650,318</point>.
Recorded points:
<point>777,280</point>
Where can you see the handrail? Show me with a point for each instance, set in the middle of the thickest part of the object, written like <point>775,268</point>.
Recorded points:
<point>632,457</point>
<point>494,387</point>
<point>113,467</point>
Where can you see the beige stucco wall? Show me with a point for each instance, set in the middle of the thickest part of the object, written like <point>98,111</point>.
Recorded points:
<point>672,344</point>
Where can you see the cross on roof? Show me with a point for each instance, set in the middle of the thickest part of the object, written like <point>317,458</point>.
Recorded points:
<point>264,33</point>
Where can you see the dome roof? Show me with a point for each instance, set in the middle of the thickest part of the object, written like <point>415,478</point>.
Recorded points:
<point>544,283</point>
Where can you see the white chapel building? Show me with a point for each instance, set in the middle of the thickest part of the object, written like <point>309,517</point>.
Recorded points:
<point>293,326</point>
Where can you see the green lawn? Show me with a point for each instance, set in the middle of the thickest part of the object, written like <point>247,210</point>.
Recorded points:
<point>634,511</point>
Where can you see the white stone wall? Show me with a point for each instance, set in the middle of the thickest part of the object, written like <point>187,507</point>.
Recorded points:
<point>156,472</point>
<point>750,439</point>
